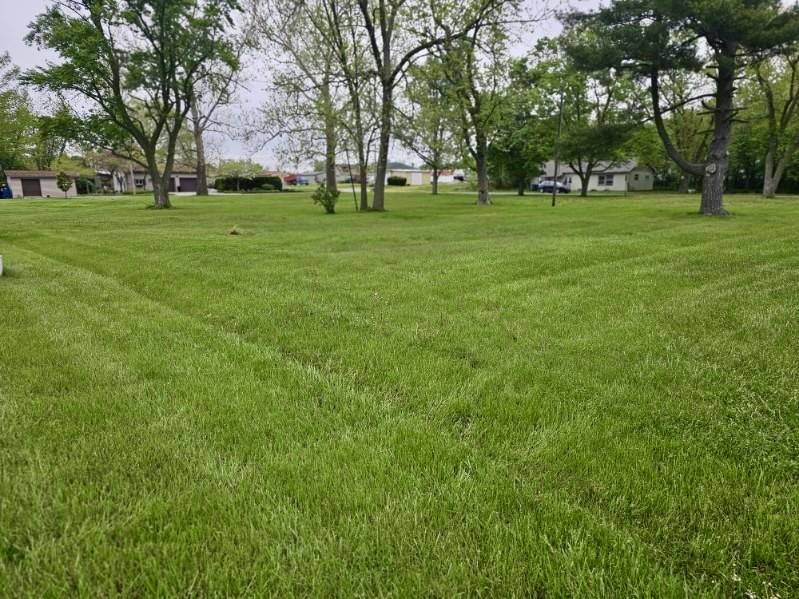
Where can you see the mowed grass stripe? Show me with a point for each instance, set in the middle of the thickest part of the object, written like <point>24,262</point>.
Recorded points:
<point>596,431</point>
<point>160,460</point>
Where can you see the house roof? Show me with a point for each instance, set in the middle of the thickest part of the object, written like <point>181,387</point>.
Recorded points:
<point>176,170</point>
<point>36,174</point>
<point>603,167</point>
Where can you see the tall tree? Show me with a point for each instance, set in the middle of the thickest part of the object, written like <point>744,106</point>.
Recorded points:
<point>363,114</point>
<point>655,37</point>
<point>426,120</point>
<point>475,67</point>
<point>523,141</point>
<point>687,121</point>
<point>399,32</point>
<point>599,111</point>
<point>215,88</point>
<point>52,137</point>
<point>239,168</point>
<point>135,65</point>
<point>320,102</point>
<point>17,119</point>
<point>778,80</point>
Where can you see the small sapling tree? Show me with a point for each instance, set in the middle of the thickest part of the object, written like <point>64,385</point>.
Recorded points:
<point>64,182</point>
<point>327,198</point>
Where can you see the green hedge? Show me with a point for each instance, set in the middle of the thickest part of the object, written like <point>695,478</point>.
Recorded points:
<point>273,181</point>
<point>248,183</point>
<point>84,185</point>
<point>398,181</point>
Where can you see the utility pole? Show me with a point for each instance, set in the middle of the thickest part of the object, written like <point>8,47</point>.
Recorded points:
<point>557,151</point>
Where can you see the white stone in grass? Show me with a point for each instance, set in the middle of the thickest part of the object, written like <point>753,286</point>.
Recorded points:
<point>1,265</point>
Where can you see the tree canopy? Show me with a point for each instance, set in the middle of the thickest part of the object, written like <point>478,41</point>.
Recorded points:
<point>134,66</point>
<point>651,38</point>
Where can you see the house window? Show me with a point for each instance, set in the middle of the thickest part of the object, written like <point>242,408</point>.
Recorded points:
<point>139,182</point>
<point>636,176</point>
<point>605,180</point>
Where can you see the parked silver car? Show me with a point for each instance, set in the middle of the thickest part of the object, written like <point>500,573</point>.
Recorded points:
<point>548,186</point>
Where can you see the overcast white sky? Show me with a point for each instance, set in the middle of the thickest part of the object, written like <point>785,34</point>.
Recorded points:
<point>18,14</point>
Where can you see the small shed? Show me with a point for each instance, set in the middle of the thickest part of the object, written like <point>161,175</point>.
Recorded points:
<point>38,184</point>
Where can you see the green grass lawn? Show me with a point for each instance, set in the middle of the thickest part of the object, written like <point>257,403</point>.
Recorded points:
<point>597,400</point>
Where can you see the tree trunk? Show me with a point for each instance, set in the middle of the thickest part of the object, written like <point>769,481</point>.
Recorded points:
<point>521,186</point>
<point>770,184</point>
<point>773,173</point>
<point>584,181</point>
<point>712,203</point>
<point>713,190</point>
<point>160,193</point>
<point>160,184</point>
<point>199,147</point>
<point>330,139</point>
<point>330,168</point>
<point>363,176</point>
<point>382,154</point>
<point>435,181</point>
<point>481,163</point>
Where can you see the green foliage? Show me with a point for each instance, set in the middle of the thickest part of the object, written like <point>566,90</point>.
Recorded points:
<point>652,39</point>
<point>85,185</point>
<point>135,65</point>
<point>82,165</point>
<point>17,119</point>
<point>525,133</point>
<point>397,181</point>
<point>663,35</point>
<point>64,182</point>
<point>426,126</point>
<point>272,181</point>
<point>327,198</point>
<point>599,110</point>
<point>234,183</point>
<point>53,133</point>
<point>239,168</point>
<point>269,183</point>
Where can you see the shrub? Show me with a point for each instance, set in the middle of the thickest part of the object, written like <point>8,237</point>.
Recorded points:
<point>326,198</point>
<point>273,181</point>
<point>234,184</point>
<point>64,182</point>
<point>398,181</point>
<point>84,185</point>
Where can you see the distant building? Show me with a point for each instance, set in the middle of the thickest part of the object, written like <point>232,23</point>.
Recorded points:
<point>183,179</point>
<point>38,184</point>
<point>446,175</point>
<point>414,176</point>
<point>607,176</point>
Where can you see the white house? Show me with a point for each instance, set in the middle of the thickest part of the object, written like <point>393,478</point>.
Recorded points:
<point>622,176</point>
<point>182,179</point>
<point>413,176</point>
<point>38,184</point>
